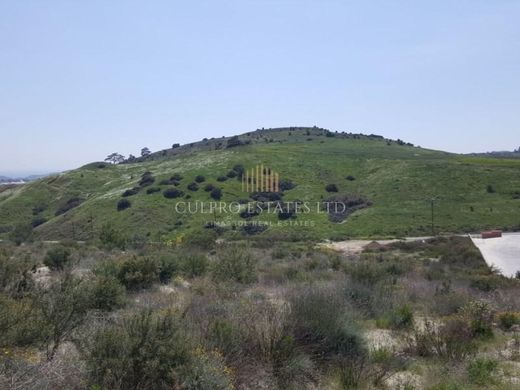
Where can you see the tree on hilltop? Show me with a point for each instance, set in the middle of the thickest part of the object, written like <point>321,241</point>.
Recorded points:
<point>115,158</point>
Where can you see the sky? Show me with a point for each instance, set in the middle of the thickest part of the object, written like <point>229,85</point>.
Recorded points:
<point>82,79</point>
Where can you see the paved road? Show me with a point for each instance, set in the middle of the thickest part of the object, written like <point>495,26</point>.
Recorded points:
<point>502,253</point>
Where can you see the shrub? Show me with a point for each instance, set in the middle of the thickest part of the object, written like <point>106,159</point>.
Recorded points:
<point>63,308</point>
<point>194,265</point>
<point>479,315</point>
<point>216,193</point>
<point>331,188</point>
<point>222,178</point>
<point>231,174</point>
<point>123,204</point>
<point>169,265</point>
<point>107,293</point>
<point>485,283</point>
<point>400,318</point>
<point>482,371</point>
<point>56,258</point>
<point>233,141</point>
<point>171,193</point>
<point>110,237</point>
<point>490,189</point>
<point>286,185</point>
<point>508,319</point>
<point>70,204</point>
<point>146,180</point>
<point>145,351</point>
<point>200,179</point>
<point>193,186</point>
<point>37,221</point>
<point>321,320</point>
<point>350,178</point>
<point>153,190</point>
<point>21,233</point>
<point>234,262</point>
<point>209,187</point>
<point>138,272</point>
<point>207,371</point>
<point>452,340</point>
<point>130,192</point>
<point>176,177</point>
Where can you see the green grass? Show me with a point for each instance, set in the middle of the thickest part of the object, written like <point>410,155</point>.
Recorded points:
<point>398,179</point>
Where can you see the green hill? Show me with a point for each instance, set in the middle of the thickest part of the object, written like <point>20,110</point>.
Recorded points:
<point>396,179</point>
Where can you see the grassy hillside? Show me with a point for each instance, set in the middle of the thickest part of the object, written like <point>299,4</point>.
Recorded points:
<point>398,179</point>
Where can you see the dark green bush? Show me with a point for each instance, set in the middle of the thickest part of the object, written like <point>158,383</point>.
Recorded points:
<point>194,264</point>
<point>209,187</point>
<point>130,192</point>
<point>138,272</point>
<point>123,204</point>
<point>56,258</point>
<point>193,186</point>
<point>200,179</point>
<point>222,178</point>
<point>234,262</point>
<point>107,293</point>
<point>110,237</point>
<point>483,371</point>
<point>171,193</point>
<point>216,193</point>
<point>21,233</point>
<point>331,188</point>
<point>145,351</point>
<point>153,190</point>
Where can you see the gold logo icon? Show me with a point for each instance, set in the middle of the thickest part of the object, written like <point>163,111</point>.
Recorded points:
<point>260,179</point>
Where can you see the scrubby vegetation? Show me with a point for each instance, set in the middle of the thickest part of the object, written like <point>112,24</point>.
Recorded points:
<point>273,313</point>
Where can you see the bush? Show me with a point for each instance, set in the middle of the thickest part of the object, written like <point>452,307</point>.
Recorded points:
<point>216,193</point>
<point>452,340</point>
<point>153,190</point>
<point>137,273</point>
<point>222,178</point>
<point>400,318</point>
<point>233,141</point>
<point>482,371</point>
<point>123,204</point>
<point>56,258</point>
<point>207,371</point>
<point>171,193</point>
<point>350,178</point>
<point>193,186</point>
<point>231,174</point>
<point>176,177</point>
<point>130,192</point>
<point>234,262</point>
<point>169,265</point>
<point>331,188</point>
<point>200,179</point>
<point>21,233</point>
<point>286,185</point>
<point>110,237</point>
<point>194,265</point>
<point>63,308</point>
<point>209,187</point>
<point>321,320</point>
<point>145,351</point>
<point>70,204</point>
<point>146,180</point>
<point>480,316</point>
<point>107,293</point>
<point>508,319</point>
<point>490,189</point>
<point>37,221</point>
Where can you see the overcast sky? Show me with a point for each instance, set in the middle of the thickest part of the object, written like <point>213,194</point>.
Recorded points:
<point>81,79</point>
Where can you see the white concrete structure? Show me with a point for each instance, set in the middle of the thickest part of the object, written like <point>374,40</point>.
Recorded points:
<point>503,253</point>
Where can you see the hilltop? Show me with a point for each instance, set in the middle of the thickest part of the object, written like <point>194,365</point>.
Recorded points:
<point>393,181</point>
